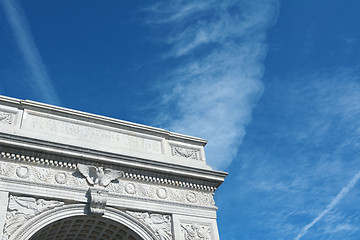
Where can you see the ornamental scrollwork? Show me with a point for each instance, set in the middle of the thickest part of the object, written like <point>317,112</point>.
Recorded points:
<point>185,152</point>
<point>6,117</point>
<point>159,223</point>
<point>5,168</point>
<point>21,209</point>
<point>195,231</point>
<point>124,186</point>
<point>42,174</point>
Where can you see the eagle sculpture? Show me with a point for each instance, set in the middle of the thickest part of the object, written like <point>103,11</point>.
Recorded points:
<point>98,175</point>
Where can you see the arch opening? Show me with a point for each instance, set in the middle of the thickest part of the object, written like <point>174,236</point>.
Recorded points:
<point>73,219</point>
<point>85,228</point>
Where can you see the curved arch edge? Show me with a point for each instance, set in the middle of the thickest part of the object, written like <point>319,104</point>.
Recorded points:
<point>36,223</point>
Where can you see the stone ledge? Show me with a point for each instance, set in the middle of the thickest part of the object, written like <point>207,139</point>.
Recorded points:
<point>49,123</point>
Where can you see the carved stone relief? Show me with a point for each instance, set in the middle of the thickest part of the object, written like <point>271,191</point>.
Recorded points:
<point>196,231</point>
<point>5,169</point>
<point>191,197</point>
<point>61,177</point>
<point>21,209</point>
<point>7,118</point>
<point>68,178</point>
<point>161,192</point>
<point>160,224</point>
<point>99,178</point>
<point>130,188</point>
<point>185,152</point>
<point>43,174</point>
<point>23,171</point>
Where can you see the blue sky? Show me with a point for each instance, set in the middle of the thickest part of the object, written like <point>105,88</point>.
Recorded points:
<point>274,86</point>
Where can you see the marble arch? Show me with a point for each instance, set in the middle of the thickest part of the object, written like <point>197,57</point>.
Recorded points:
<point>59,166</point>
<point>33,226</point>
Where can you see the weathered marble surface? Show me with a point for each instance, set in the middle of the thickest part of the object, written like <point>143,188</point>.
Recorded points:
<point>32,119</point>
<point>56,161</point>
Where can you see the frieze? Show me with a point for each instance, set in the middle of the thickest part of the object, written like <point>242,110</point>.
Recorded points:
<point>196,231</point>
<point>123,186</point>
<point>7,118</point>
<point>185,152</point>
<point>159,223</point>
<point>128,175</point>
<point>21,209</point>
<point>93,133</point>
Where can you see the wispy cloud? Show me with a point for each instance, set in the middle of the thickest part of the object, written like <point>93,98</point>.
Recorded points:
<point>304,151</point>
<point>332,204</point>
<point>220,48</point>
<point>343,228</point>
<point>38,74</point>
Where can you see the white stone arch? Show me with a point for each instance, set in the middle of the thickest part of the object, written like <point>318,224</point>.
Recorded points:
<point>38,222</point>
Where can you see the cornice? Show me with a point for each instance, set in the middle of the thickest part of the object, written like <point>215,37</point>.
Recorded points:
<point>60,137</point>
<point>165,176</point>
<point>46,108</point>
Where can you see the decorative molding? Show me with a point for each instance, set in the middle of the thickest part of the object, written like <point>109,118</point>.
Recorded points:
<point>21,209</point>
<point>159,223</point>
<point>196,231</point>
<point>185,152</point>
<point>127,175</point>
<point>65,179</point>
<point>7,118</point>
<point>37,160</point>
<point>31,227</point>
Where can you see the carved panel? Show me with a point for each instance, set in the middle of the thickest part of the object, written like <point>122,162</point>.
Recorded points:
<point>196,231</point>
<point>21,209</point>
<point>65,178</point>
<point>159,223</point>
<point>141,176</point>
<point>80,130</point>
<point>6,169</point>
<point>185,152</point>
<point>7,118</point>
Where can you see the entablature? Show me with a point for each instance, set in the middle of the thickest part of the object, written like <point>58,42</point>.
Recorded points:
<point>49,123</point>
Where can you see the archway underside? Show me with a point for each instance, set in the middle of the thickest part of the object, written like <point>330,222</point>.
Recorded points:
<point>85,228</point>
